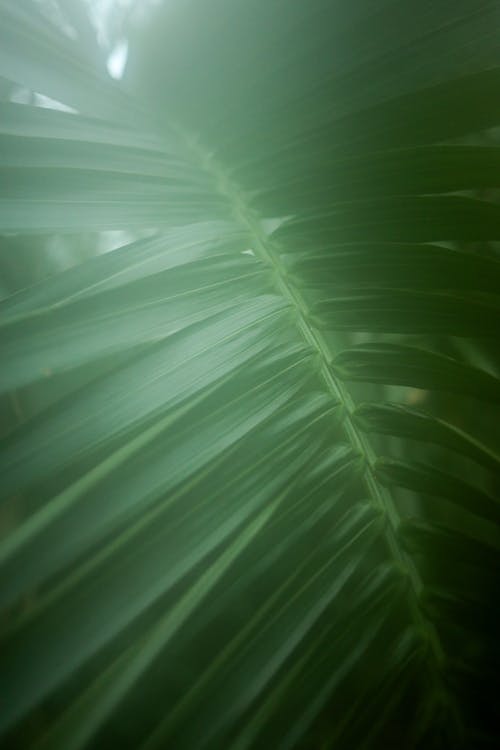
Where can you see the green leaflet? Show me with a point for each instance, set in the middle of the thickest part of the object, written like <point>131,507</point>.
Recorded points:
<point>449,109</point>
<point>405,365</point>
<point>440,542</point>
<point>398,219</point>
<point>395,419</point>
<point>177,246</point>
<point>26,124</point>
<point>144,312</point>
<point>395,266</point>
<point>200,546</point>
<point>175,373</point>
<point>408,311</point>
<point>428,480</point>
<point>165,629</point>
<point>82,522</point>
<point>410,171</point>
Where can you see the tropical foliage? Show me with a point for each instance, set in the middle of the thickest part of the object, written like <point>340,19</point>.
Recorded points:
<point>250,468</point>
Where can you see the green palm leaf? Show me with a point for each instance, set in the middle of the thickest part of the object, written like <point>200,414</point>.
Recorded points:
<point>209,545</point>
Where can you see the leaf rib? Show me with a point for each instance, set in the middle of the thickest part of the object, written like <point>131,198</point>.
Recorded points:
<point>268,251</point>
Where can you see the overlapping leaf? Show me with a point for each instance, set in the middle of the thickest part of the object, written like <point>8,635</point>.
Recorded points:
<point>206,552</point>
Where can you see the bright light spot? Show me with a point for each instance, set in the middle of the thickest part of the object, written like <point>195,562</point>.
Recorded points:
<point>247,252</point>
<point>45,101</point>
<point>271,225</point>
<point>21,95</point>
<point>118,59</point>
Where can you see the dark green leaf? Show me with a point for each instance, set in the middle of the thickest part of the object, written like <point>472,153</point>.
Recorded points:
<point>403,421</point>
<point>405,365</point>
<point>399,266</point>
<point>408,311</point>
<point>430,481</point>
<point>405,219</point>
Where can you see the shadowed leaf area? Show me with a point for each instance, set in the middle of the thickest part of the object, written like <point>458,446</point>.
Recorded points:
<point>250,383</point>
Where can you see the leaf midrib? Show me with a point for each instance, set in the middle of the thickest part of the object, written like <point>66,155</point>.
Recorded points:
<point>268,252</point>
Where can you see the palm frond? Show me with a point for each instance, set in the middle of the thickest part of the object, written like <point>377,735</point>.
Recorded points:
<point>210,545</point>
